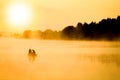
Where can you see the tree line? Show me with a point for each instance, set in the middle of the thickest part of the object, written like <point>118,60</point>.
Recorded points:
<point>106,29</point>
<point>47,34</point>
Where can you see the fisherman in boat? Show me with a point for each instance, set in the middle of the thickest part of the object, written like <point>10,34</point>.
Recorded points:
<point>32,54</point>
<point>32,51</point>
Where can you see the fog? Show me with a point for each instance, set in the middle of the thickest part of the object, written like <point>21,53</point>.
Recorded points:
<point>59,60</point>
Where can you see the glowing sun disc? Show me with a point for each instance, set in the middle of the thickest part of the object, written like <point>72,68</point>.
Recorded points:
<point>19,14</point>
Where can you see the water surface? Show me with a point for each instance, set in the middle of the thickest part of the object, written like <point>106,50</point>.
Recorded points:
<point>59,60</point>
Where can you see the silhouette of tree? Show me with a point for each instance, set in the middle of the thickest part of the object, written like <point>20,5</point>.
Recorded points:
<point>27,33</point>
<point>79,31</point>
<point>85,26</point>
<point>50,34</point>
<point>69,32</point>
<point>36,34</point>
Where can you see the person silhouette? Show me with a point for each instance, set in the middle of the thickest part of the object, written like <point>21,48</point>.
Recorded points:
<point>31,54</point>
<point>33,51</point>
<point>30,51</point>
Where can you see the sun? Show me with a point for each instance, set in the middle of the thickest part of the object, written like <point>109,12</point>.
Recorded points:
<point>19,14</point>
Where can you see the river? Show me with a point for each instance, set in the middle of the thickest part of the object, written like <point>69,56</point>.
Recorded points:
<point>59,60</point>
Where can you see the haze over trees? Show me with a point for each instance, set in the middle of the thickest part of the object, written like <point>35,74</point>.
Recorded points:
<point>47,34</point>
<point>106,29</point>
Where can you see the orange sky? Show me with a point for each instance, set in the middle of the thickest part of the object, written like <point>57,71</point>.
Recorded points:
<point>57,14</point>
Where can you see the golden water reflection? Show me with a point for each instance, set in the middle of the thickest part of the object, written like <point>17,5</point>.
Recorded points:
<point>59,60</point>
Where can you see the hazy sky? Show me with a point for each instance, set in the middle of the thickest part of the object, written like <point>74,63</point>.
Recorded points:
<point>57,14</point>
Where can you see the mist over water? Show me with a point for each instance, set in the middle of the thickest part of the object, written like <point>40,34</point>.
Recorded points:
<point>59,60</point>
